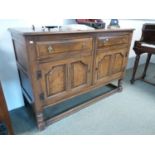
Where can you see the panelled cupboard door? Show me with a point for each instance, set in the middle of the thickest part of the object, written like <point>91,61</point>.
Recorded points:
<point>54,78</point>
<point>110,64</point>
<point>64,78</point>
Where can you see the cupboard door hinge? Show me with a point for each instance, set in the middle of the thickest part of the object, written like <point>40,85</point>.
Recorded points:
<point>39,74</point>
<point>42,96</point>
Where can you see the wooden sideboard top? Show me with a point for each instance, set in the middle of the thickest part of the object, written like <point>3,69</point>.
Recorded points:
<point>30,31</point>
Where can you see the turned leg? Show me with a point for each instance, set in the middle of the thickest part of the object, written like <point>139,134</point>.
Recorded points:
<point>40,121</point>
<point>120,85</point>
<point>146,65</point>
<point>135,68</point>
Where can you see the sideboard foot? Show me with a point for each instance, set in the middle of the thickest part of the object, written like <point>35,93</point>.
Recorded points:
<point>40,121</point>
<point>120,85</point>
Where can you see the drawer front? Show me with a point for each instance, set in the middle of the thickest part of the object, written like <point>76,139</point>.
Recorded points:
<point>105,41</point>
<point>52,48</point>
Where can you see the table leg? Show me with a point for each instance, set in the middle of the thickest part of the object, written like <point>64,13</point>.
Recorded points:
<point>135,68</point>
<point>146,65</point>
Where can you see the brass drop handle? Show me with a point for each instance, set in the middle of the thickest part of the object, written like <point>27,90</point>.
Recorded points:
<point>50,49</point>
<point>105,40</point>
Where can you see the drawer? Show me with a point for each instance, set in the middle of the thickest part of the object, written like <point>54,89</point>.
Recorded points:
<point>52,48</point>
<point>105,41</point>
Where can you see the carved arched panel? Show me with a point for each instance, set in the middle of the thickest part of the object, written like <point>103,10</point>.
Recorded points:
<point>79,71</point>
<point>56,80</point>
<point>118,63</point>
<point>103,67</point>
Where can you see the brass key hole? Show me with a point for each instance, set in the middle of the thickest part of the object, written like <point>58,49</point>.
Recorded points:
<point>50,49</point>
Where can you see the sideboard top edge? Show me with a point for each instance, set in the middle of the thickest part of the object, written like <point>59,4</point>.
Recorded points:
<point>28,31</point>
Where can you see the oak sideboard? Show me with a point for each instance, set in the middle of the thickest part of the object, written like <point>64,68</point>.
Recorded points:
<point>62,72</point>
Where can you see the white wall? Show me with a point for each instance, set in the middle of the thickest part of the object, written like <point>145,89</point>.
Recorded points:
<point>8,69</point>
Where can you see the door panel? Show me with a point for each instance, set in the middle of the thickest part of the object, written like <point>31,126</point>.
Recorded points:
<point>119,61</point>
<point>102,66</point>
<point>54,79</point>
<point>81,72</point>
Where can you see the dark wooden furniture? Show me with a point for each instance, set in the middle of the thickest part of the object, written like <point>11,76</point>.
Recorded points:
<point>63,65</point>
<point>4,114</point>
<point>144,46</point>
